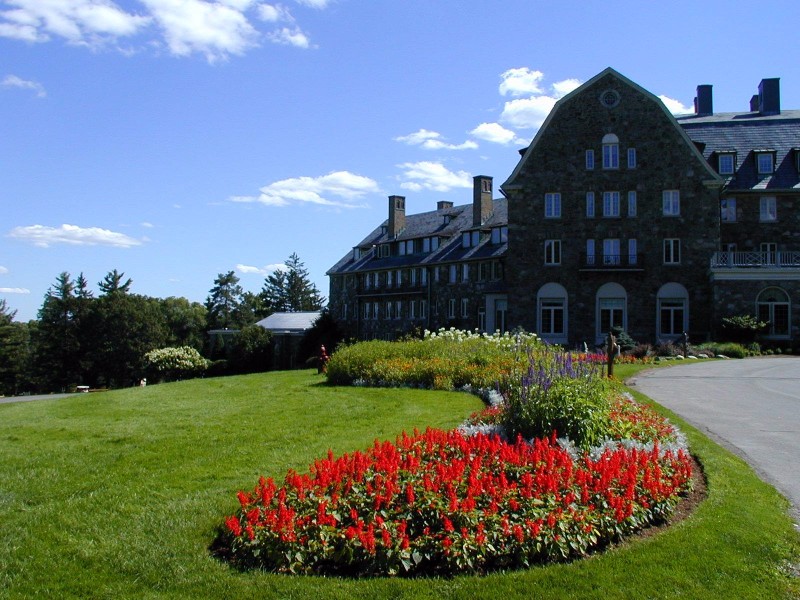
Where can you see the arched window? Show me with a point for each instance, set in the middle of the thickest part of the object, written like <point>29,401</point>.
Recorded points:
<point>612,309</point>
<point>673,311</point>
<point>610,151</point>
<point>552,313</point>
<point>772,306</point>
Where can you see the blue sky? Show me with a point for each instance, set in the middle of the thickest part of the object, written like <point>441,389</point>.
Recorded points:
<point>178,139</point>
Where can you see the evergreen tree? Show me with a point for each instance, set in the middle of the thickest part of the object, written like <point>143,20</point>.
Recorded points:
<point>224,302</point>
<point>291,289</point>
<point>186,322</point>
<point>14,353</point>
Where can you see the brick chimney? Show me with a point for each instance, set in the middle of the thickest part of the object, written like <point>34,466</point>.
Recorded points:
<point>704,102</point>
<point>443,205</point>
<point>482,205</point>
<point>769,96</point>
<point>397,215</point>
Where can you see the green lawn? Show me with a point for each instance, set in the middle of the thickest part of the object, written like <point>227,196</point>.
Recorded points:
<point>118,495</point>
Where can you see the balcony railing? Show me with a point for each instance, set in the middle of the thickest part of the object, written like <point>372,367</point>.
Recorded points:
<point>611,261</point>
<point>742,260</point>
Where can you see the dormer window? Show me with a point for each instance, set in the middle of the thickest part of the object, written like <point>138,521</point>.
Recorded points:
<point>797,158</point>
<point>356,253</point>
<point>726,163</point>
<point>384,251</point>
<point>446,219</point>
<point>610,151</point>
<point>500,235</point>
<point>765,160</point>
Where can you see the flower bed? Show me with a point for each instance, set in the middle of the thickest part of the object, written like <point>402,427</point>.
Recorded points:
<point>443,503</point>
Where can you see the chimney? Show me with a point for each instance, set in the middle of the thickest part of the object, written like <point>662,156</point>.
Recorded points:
<point>754,103</point>
<point>769,96</point>
<point>443,205</point>
<point>703,102</point>
<point>482,205</point>
<point>397,215</point>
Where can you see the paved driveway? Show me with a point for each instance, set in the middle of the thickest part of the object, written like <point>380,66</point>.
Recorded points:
<point>11,399</point>
<point>750,406</point>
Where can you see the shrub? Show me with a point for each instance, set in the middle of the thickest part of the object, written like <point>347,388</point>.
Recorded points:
<point>742,328</point>
<point>559,394</point>
<point>170,364</point>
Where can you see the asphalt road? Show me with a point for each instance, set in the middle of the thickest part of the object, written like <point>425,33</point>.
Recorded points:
<point>750,406</point>
<point>10,399</point>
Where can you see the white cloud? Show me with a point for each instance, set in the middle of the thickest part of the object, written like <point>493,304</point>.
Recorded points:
<point>3,270</point>
<point>432,176</point>
<point>86,22</point>
<point>43,236</point>
<point>290,37</point>
<point>315,3</point>
<point>675,106</point>
<point>527,113</point>
<point>273,13</point>
<point>146,225</point>
<point>265,270</point>
<point>432,140</point>
<point>9,290</point>
<point>562,88</point>
<point>520,82</point>
<point>12,81</point>
<point>315,190</point>
<point>496,133</point>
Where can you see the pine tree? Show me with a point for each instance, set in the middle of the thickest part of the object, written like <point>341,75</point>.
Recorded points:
<point>224,302</point>
<point>291,289</point>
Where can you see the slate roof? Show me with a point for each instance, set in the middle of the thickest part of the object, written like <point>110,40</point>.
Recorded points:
<point>744,133</point>
<point>429,224</point>
<point>289,322</point>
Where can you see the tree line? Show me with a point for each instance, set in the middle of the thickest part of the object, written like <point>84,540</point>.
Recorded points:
<point>80,338</point>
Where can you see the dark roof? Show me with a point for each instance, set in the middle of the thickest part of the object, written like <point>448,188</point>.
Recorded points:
<point>745,134</point>
<point>429,224</point>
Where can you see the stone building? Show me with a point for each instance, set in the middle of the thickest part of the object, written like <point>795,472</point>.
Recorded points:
<point>617,214</point>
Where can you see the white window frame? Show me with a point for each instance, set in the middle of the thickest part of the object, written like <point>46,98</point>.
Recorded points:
<point>672,251</point>
<point>389,314</point>
<point>398,309</point>
<point>726,163</point>
<point>611,251</point>
<point>451,308</point>
<point>499,235</point>
<point>768,209</point>
<point>671,203</point>
<point>632,204</point>
<point>465,239</point>
<point>766,163</point>
<point>412,309</point>
<point>552,205</point>
<point>766,303</point>
<point>376,310</point>
<point>465,272</point>
<point>611,155</point>
<point>631,158</point>
<point>610,204</point>
<point>423,309</point>
<point>591,257</point>
<point>552,252</point>
<point>453,278</point>
<point>590,205</point>
<point>464,308</point>
<point>550,307</point>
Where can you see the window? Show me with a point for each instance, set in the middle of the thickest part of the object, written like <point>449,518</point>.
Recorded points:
<point>552,206</point>
<point>590,252</point>
<point>389,310</point>
<point>500,309</point>
<point>672,251</point>
<point>590,159</point>
<point>769,252</point>
<point>412,309</point>
<point>671,314</point>
<point>464,307</point>
<point>465,272</point>
<point>465,237</point>
<point>470,239</point>
<point>632,201</point>
<point>484,271</point>
<point>500,235</point>
<point>367,310</point>
<point>552,252</point>
<point>611,254</point>
<point>727,212</point>
<point>610,151</point>
<point>497,270</point>
<point>765,163</point>
<point>398,276</point>
<point>423,309</point>
<point>451,308</point>
<point>551,316</point>
<point>375,310</point>
<point>423,275</point>
<point>610,204</point>
<point>426,245</point>
<point>612,314</point>
<point>401,249</point>
<point>671,203</point>
<point>768,209</point>
<point>413,277</point>
<point>356,253</point>
<point>772,306</point>
<point>726,164</point>
<point>590,205</point>
<point>482,318</point>
<point>344,311</point>
<point>398,309</point>
<point>632,252</point>
<point>453,273</point>
<point>631,158</point>
<point>389,277</point>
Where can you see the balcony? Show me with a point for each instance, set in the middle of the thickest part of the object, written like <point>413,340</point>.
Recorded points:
<point>612,262</point>
<point>756,260</point>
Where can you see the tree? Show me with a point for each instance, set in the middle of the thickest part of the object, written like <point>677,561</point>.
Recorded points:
<point>252,350</point>
<point>185,321</point>
<point>112,283</point>
<point>15,350</point>
<point>224,302</point>
<point>291,289</point>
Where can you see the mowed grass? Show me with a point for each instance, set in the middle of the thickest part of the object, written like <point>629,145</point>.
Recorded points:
<point>118,495</point>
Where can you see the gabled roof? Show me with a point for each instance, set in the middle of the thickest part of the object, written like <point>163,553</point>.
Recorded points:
<point>745,134</point>
<point>510,182</point>
<point>289,322</point>
<point>428,224</point>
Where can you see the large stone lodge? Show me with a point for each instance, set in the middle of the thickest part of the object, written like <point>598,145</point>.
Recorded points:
<point>617,214</point>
